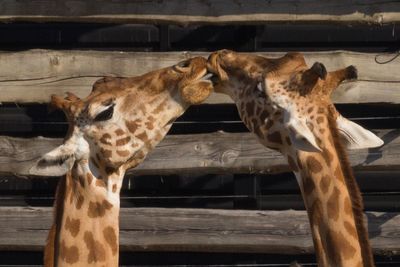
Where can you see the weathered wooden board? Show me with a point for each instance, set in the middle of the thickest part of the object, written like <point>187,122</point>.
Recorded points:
<point>32,76</point>
<point>201,11</point>
<point>202,153</point>
<point>199,230</point>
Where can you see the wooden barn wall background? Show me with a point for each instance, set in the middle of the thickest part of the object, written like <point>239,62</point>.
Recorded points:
<point>209,194</point>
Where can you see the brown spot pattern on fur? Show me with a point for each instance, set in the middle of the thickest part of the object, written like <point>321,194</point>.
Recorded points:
<point>69,254</point>
<point>143,136</point>
<point>308,185</point>
<point>320,119</point>
<point>269,124</point>
<point>160,107</point>
<point>119,132</point>
<point>316,212</point>
<point>101,183</point>
<point>310,109</point>
<point>327,155</point>
<point>337,240</point>
<point>351,230</point>
<point>81,180</point>
<point>339,175</point>
<point>96,249</point>
<point>109,170</point>
<point>123,153</point>
<point>313,165</point>
<point>97,209</point>
<point>132,125</point>
<point>250,109</point>
<point>104,139</point>
<point>123,141</point>
<point>150,122</point>
<point>324,183</point>
<point>275,137</point>
<point>292,164</point>
<point>299,164</point>
<point>330,248</point>
<point>106,153</point>
<point>72,225</point>
<point>333,205</point>
<point>114,188</point>
<point>347,206</point>
<point>79,202</point>
<point>89,178</point>
<point>111,239</point>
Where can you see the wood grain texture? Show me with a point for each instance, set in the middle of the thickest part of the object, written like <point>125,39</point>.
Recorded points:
<point>199,230</point>
<point>217,152</point>
<point>32,76</point>
<point>201,11</point>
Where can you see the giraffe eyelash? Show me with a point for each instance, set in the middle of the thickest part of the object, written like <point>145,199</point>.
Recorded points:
<point>105,114</point>
<point>260,91</point>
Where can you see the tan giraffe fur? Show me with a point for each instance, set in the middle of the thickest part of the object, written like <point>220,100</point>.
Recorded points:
<point>110,131</point>
<point>288,107</point>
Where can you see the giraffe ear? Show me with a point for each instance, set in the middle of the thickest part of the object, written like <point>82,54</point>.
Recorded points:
<point>55,163</point>
<point>355,136</point>
<point>196,93</point>
<point>300,135</point>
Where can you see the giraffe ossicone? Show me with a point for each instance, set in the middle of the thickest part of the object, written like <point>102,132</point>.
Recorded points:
<point>110,131</point>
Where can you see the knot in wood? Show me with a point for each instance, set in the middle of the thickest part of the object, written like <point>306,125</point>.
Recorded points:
<point>54,61</point>
<point>229,156</point>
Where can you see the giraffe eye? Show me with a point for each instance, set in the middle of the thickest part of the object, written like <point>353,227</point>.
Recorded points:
<point>105,114</point>
<point>184,64</point>
<point>260,91</point>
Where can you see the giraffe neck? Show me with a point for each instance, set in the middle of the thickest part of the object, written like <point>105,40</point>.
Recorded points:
<point>333,203</point>
<point>85,231</point>
<point>258,115</point>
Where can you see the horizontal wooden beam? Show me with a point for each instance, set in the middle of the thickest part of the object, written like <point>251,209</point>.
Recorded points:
<point>32,76</point>
<point>217,152</point>
<point>199,230</point>
<point>201,11</point>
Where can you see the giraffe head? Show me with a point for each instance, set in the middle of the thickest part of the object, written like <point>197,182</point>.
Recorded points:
<point>124,118</point>
<point>304,98</point>
<point>288,87</point>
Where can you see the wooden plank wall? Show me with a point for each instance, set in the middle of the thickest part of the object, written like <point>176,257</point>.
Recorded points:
<point>35,65</point>
<point>202,11</point>
<point>201,230</point>
<point>76,71</point>
<point>202,154</point>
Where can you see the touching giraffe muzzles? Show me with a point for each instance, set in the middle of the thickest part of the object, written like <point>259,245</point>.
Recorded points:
<point>288,106</point>
<point>110,131</point>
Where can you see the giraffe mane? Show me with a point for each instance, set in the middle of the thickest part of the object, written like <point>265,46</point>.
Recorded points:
<point>354,191</point>
<point>51,250</point>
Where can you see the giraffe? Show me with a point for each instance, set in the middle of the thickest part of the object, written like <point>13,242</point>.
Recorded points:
<point>110,131</point>
<point>287,106</point>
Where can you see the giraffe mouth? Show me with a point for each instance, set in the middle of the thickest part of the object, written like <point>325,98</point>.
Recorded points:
<point>210,77</point>
<point>54,161</point>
